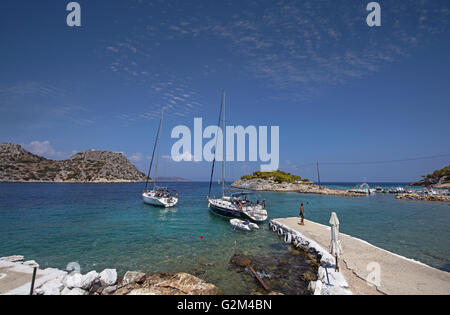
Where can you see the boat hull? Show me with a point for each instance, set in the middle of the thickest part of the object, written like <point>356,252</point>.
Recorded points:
<point>159,202</point>
<point>231,213</point>
<point>228,212</point>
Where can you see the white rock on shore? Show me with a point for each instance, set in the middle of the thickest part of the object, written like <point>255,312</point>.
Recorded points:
<point>81,281</point>
<point>74,291</point>
<point>53,281</point>
<point>52,287</point>
<point>108,277</point>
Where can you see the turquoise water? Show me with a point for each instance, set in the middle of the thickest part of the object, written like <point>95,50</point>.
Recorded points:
<point>107,225</point>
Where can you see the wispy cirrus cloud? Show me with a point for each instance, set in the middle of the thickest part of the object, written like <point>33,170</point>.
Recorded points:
<point>294,45</point>
<point>40,99</point>
<point>174,98</point>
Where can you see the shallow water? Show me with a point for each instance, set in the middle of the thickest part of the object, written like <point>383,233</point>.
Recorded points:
<point>108,226</point>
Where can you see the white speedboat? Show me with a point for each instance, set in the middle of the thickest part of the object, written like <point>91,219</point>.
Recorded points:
<point>397,190</point>
<point>244,225</point>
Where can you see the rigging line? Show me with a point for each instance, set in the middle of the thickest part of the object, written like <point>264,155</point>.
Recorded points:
<point>223,144</point>
<point>376,162</point>
<point>387,161</point>
<point>215,148</point>
<point>153,155</point>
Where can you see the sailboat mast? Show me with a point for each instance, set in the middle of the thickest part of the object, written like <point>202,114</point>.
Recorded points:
<point>215,149</point>
<point>157,148</point>
<point>153,154</point>
<point>223,144</point>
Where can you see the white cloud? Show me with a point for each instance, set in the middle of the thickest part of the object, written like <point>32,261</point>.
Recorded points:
<point>44,148</point>
<point>136,157</point>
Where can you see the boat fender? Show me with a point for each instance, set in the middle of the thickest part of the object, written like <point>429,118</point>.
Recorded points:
<point>287,238</point>
<point>274,228</point>
<point>270,224</point>
<point>280,231</point>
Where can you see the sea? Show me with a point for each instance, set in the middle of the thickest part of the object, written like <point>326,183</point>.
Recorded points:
<point>102,226</point>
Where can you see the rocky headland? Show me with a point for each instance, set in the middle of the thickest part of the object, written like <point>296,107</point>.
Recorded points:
<point>20,165</point>
<point>437,179</point>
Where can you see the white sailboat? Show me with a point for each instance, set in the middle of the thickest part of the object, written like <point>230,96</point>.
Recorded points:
<point>158,196</point>
<point>236,205</point>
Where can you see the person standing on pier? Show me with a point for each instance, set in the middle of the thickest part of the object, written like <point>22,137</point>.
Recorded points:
<point>302,215</point>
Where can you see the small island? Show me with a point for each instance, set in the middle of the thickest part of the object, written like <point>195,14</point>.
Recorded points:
<point>279,181</point>
<point>437,179</point>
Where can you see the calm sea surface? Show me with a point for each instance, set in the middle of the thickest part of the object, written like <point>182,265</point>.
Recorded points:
<point>108,226</point>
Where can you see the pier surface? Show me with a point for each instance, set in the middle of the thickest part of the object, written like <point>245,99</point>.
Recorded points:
<point>398,275</point>
<point>15,278</point>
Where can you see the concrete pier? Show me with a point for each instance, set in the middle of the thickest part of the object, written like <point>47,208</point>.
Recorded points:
<point>15,276</point>
<point>361,261</point>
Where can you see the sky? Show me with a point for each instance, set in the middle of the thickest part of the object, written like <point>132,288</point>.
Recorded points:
<point>342,93</point>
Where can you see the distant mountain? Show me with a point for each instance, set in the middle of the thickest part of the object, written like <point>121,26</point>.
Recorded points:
<point>172,179</point>
<point>20,165</point>
<point>437,179</point>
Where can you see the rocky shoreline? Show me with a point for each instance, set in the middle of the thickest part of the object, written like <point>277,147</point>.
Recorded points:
<point>439,179</point>
<point>418,197</point>
<point>52,281</point>
<point>303,188</point>
<point>285,274</point>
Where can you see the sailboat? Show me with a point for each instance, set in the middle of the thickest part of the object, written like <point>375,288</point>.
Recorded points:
<point>158,196</point>
<point>236,205</point>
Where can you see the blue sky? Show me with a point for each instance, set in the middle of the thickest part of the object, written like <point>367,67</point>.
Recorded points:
<point>339,90</point>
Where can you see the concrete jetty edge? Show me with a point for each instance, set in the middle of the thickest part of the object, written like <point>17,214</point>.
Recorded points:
<point>367,268</point>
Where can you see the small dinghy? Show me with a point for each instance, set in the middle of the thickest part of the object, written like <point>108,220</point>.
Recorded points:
<point>244,225</point>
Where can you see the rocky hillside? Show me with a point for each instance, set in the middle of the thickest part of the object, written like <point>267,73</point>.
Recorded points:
<point>19,165</point>
<point>437,179</point>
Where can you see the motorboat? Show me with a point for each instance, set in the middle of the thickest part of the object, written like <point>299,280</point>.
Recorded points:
<point>397,190</point>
